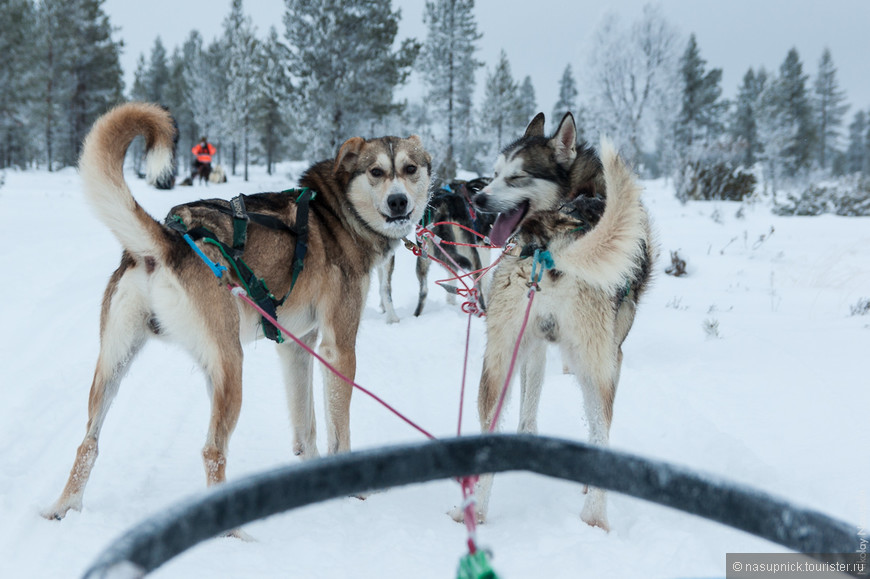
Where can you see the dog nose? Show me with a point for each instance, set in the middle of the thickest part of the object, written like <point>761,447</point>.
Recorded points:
<point>398,204</point>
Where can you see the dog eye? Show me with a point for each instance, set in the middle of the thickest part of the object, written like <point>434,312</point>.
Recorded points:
<point>377,173</point>
<point>410,169</point>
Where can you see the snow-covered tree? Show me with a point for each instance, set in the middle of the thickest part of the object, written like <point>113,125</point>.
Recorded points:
<point>18,81</point>
<point>700,120</point>
<point>777,131</point>
<point>743,126</point>
<point>271,97</point>
<point>567,102</point>
<point>500,116</point>
<point>94,70</point>
<point>343,67</point>
<point>830,108</point>
<point>206,88</point>
<point>628,68</point>
<point>157,80</point>
<point>528,102</point>
<point>859,144</point>
<point>240,46</point>
<point>448,67</point>
<point>793,103</point>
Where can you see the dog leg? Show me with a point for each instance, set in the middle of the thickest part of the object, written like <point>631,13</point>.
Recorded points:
<point>123,332</point>
<point>422,270</point>
<point>225,380</point>
<point>338,347</point>
<point>531,381</point>
<point>385,279</point>
<point>298,380</point>
<point>597,374</point>
<point>502,332</point>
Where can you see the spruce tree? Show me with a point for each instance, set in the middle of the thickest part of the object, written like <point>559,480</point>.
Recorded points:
<point>700,119</point>
<point>830,108</point>
<point>343,67</point>
<point>793,102</point>
<point>158,73</point>
<point>528,102</point>
<point>271,95</point>
<point>500,115</point>
<point>744,123</point>
<point>18,82</point>
<point>95,71</point>
<point>175,95</point>
<point>567,102</point>
<point>240,46</point>
<point>856,153</point>
<point>448,67</point>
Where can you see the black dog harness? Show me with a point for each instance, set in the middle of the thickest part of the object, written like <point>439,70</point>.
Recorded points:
<point>255,286</point>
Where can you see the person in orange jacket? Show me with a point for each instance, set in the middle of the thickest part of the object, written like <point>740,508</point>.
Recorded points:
<point>202,153</point>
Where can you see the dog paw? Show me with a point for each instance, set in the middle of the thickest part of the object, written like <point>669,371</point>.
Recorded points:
<point>393,319</point>
<point>594,519</point>
<point>59,510</point>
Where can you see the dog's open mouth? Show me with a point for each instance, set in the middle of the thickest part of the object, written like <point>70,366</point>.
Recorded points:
<point>506,223</point>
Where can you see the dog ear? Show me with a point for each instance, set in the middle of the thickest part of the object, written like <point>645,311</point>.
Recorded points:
<point>536,127</point>
<point>348,153</point>
<point>417,142</point>
<point>564,142</point>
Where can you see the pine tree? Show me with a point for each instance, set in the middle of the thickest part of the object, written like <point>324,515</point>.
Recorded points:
<point>95,70</point>
<point>175,96</point>
<point>343,67</point>
<point>528,102</point>
<point>777,131</point>
<point>859,139</point>
<point>500,115</point>
<point>18,81</point>
<point>158,73</point>
<point>206,88</point>
<point>700,119</point>
<point>241,48</point>
<point>567,102</point>
<point>744,123</point>
<point>54,48</point>
<point>448,68</point>
<point>830,108</point>
<point>271,95</point>
<point>794,103</point>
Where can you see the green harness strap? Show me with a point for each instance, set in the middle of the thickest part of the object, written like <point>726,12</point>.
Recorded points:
<point>256,286</point>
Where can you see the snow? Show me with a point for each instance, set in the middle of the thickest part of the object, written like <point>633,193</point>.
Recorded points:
<point>777,400</point>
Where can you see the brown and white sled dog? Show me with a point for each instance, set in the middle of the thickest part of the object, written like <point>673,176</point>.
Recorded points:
<point>367,198</point>
<point>548,194</point>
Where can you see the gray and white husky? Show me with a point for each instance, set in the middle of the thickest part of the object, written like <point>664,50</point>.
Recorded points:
<point>585,210</point>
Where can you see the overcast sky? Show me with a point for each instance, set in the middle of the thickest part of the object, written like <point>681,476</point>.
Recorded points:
<point>542,36</point>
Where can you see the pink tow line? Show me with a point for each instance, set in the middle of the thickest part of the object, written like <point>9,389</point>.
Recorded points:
<point>467,483</point>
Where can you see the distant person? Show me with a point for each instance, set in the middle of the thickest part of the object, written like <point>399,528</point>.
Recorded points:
<point>202,153</point>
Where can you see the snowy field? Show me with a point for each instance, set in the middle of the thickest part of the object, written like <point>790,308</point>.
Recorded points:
<point>776,397</point>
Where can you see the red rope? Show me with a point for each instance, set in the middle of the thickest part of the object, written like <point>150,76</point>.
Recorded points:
<point>240,293</point>
<point>467,483</point>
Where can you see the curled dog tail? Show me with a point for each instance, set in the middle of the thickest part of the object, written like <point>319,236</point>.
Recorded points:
<point>101,167</point>
<point>610,253</point>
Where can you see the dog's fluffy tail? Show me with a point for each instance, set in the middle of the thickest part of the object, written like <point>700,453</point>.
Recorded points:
<point>613,249</point>
<point>101,167</point>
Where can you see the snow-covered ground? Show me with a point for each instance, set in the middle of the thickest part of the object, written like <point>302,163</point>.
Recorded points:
<point>778,400</point>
